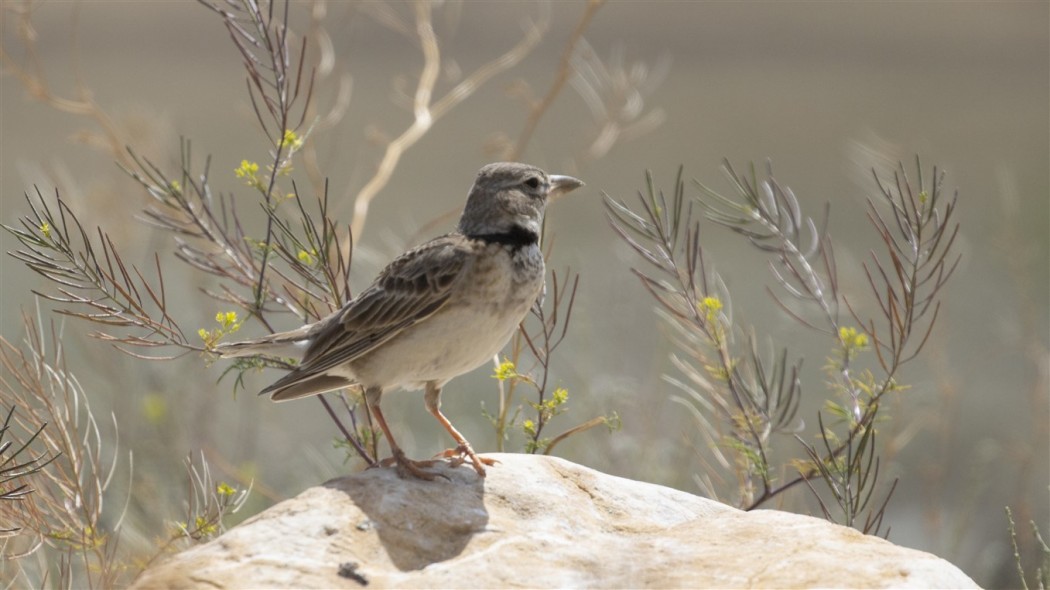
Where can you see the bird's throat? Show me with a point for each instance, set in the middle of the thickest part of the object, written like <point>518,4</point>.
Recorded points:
<point>516,237</point>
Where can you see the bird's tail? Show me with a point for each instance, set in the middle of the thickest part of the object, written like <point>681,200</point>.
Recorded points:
<point>284,344</point>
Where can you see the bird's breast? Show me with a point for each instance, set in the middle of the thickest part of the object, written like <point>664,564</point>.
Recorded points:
<point>504,278</point>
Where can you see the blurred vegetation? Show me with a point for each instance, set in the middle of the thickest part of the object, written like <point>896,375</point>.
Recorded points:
<point>743,399</point>
<point>1041,575</point>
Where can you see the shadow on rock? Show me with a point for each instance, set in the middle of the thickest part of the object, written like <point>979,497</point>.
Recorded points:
<point>419,522</point>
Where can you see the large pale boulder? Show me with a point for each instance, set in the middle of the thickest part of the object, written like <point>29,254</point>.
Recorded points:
<point>536,522</point>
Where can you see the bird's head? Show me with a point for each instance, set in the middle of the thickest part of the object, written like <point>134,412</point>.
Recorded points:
<point>508,197</point>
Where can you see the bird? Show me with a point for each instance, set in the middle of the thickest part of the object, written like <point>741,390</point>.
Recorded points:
<point>438,311</point>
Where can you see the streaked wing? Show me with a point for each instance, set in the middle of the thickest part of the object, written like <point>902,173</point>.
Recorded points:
<point>407,291</point>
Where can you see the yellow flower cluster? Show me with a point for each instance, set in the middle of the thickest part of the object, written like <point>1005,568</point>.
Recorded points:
<point>291,140</point>
<point>505,370</point>
<point>852,339</point>
<point>710,306</point>
<point>228,324</point>
<point>227,319</point>
<point>249,171</point>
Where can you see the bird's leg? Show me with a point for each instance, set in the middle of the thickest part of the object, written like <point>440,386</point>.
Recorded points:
<point>404,464</point>
<point>432,399</point>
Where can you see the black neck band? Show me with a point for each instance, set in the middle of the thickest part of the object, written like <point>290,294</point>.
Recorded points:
<point>517,237</point>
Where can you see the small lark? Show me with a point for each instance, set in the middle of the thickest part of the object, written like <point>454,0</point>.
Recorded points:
<point>436,312</point>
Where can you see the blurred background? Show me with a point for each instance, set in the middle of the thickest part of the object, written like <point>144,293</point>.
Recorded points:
<point>826,91</point>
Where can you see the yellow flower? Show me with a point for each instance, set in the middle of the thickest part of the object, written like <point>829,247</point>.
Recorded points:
<point>45,228</point>
<point>307,258</point>
<point>852,339</point>
<point>847,334</point>
<point>292,140</point>
<point>204,527</point>
<point>227,319</point>
<point>247,169</point>
<point>505,370</point>
<point>710,306</point>
<point>224,490</point>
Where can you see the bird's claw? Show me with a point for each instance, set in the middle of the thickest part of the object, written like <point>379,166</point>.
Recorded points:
<point>461,454</point>
<point>407,467</point>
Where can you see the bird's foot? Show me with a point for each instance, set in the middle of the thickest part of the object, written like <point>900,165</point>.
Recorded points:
<point>407,467</point>
<point>461,454</point>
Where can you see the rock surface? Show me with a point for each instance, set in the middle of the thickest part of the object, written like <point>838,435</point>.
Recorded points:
<point>536,522</point>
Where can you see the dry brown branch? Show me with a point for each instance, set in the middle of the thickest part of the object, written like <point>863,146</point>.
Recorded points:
<point>596,421</point>
<point>325,70</point>
<point>66,513</point>
<point>427,111</point>
<point>615,91</point>
<point>538,109</point>
<point>32,77</point>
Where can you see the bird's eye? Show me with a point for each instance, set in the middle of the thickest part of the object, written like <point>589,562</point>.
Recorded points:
<point>533,182</point>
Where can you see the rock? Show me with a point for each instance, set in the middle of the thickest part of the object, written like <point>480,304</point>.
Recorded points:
<point>536,522</point>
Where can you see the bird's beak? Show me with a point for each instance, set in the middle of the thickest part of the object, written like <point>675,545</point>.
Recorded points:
<point>563,184</point>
